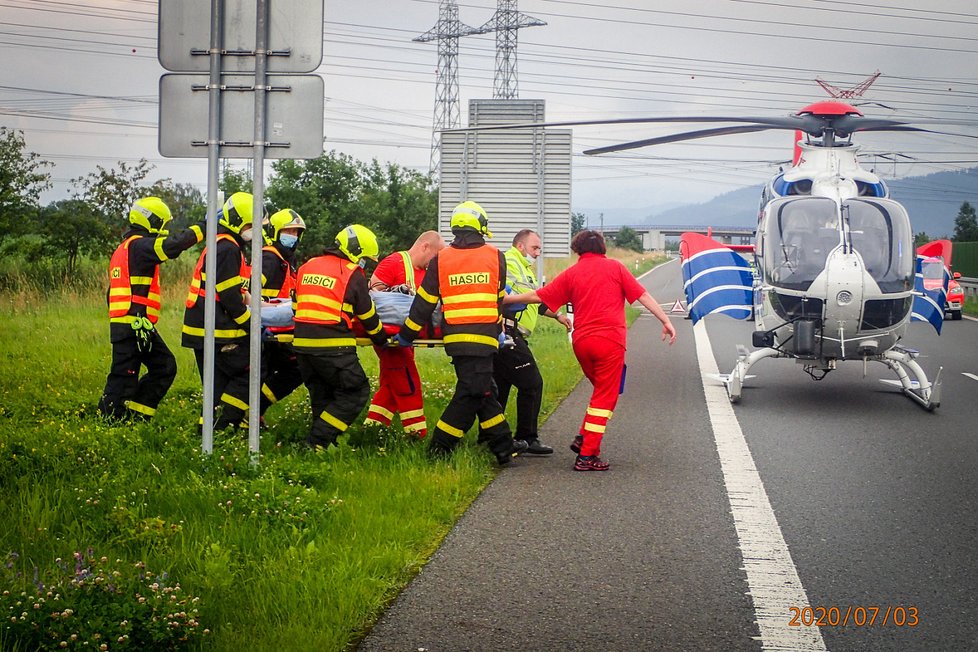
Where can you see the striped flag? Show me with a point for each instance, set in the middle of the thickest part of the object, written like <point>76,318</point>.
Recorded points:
<point>715,279</point>
<point>930,291</point>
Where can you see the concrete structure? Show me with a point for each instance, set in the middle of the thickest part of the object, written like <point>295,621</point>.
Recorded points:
<point>654,235</point>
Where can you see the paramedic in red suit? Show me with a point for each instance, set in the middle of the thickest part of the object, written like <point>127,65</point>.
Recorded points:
<point>400,385</point>
<point>597,287</point>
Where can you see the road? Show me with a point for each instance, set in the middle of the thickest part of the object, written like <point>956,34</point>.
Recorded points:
<point>718,524</point>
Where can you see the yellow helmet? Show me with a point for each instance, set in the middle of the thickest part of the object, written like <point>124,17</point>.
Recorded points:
<point>237,211</point>
<point>151,214</point>
<point>357,242</point>
<point>284,219</point>
<point>470,215</point>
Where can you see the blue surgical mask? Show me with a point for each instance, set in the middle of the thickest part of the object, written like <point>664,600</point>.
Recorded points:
<point>288,241</point>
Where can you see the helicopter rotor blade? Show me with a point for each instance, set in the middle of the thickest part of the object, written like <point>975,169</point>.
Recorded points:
<point>673,138</point>
<point>785,122</point>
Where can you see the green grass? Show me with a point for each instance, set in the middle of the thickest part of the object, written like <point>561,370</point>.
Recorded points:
<point>301,552</point>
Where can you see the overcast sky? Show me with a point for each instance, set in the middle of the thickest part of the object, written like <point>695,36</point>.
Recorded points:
<point>80,78</point>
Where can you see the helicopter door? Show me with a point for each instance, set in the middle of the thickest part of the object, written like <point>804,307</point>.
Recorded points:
<point>879,230</point>
<point>798,236</point>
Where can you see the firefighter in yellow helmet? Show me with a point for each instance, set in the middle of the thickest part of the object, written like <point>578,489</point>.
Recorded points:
<point>134,309</point>
<point>330,293</point>
<point>278,279</point>
<point>469,277</point>
<point>231,318</point>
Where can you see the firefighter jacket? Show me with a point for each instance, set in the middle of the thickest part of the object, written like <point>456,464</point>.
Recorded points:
<point>134,275</point>
<point>520,277</point>
<point>278,278</point>
<point>232,316</point>
<point>330,292</point>
<point>469,278</point>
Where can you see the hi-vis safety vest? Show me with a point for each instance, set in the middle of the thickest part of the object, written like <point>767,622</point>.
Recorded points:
<point>320,290</point>
<point>288,283</point>
<point>468,282</point>
<point>408,271</point>
<point>197,287</point>
<point>122,298</point>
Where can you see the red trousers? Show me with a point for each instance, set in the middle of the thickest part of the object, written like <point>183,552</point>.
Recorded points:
<point>399,392</point>
<point>602,361</point>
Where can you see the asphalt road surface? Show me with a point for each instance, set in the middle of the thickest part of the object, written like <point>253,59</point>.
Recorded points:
<point>720,527</point>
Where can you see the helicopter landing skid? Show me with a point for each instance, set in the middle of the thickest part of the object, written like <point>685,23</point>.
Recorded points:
<point>916,387</point>
<point>734,381</point>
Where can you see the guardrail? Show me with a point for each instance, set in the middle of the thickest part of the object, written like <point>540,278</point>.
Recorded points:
<point>970,286</point>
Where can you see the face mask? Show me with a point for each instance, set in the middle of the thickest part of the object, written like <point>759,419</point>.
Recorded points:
<point>288,241</point>
<point>246,235</point>
<point>362,263</point>
<point>530,259</point>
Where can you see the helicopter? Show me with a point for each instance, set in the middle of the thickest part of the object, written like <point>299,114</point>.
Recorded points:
<point>835,275</point>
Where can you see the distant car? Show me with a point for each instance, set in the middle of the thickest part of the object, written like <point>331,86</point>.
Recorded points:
<point>955,297</point>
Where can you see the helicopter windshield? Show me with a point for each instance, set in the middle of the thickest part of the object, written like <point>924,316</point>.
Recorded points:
<point>799,238</point>
<point>880,231</point>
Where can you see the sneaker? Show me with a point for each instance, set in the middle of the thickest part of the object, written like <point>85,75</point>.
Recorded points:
<point>578,442</point>
<point>519,446</point>
<point>590,463</point>
<point>535,447</point>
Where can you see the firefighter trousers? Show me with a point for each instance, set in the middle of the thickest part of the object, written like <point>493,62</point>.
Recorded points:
<point>126,395</point>
<point>399,392</point>
<point>338,391</point>
<point>515,366</point>
<point>232,370</point>
<point>473,399</point>
<point>282,376</point>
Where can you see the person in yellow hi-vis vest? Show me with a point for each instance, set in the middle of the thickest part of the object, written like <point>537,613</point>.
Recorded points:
<point>331,292</point>
<point>469,277</point>
<point>134,309</point>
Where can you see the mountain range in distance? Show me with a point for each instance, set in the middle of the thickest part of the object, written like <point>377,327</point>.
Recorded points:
<point>933,201</point>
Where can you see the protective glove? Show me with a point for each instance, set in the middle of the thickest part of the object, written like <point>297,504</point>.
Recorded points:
<point>400,340</point>
<point>143,328</point>
<point>505,341</point>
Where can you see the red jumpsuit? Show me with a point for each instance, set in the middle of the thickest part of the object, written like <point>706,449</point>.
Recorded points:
<point>598,288</point>
<point>400,384</point>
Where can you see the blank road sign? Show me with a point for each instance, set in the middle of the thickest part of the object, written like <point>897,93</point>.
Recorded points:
<point>293,116</point>
<point>294,27</point>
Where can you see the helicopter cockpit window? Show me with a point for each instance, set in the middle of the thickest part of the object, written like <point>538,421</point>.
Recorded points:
<point>880,232</point>
<point>800,235</point>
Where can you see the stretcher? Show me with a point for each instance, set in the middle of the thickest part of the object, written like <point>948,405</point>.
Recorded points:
<point>392,308</point>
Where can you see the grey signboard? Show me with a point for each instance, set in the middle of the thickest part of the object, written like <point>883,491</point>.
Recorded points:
<point>293,116</point>
<point>295,35</point>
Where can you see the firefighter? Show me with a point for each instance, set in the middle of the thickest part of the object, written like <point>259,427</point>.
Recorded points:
<point>400,385</point>
<point>515,365</point>
<point>331,292</point>
<point>469,278</point>
<point>278,266</point>
<point>231,316</point>
<point>134,308</point>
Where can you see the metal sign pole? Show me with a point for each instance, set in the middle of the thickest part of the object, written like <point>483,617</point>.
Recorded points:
<point>254,385</point>
<point>210,263</point>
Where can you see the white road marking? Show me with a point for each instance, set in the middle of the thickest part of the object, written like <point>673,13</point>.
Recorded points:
<point>971,376</point>
<point>772,580</point>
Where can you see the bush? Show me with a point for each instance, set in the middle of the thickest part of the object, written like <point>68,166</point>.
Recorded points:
<point>94,604</point>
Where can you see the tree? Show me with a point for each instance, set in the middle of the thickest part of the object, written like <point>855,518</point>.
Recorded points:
<point>920,239</point>
<point>22,180</point>
<point>71,227</point>
<point>399,204</point>
<point>110,193</point>
<point>233,181</point>
<point>628,238</point>
<point>187,203</point>
<point>966,224</point>
<point>578,221</point>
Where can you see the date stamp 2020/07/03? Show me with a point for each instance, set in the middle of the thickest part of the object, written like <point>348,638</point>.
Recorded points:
<point>868,616</point>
